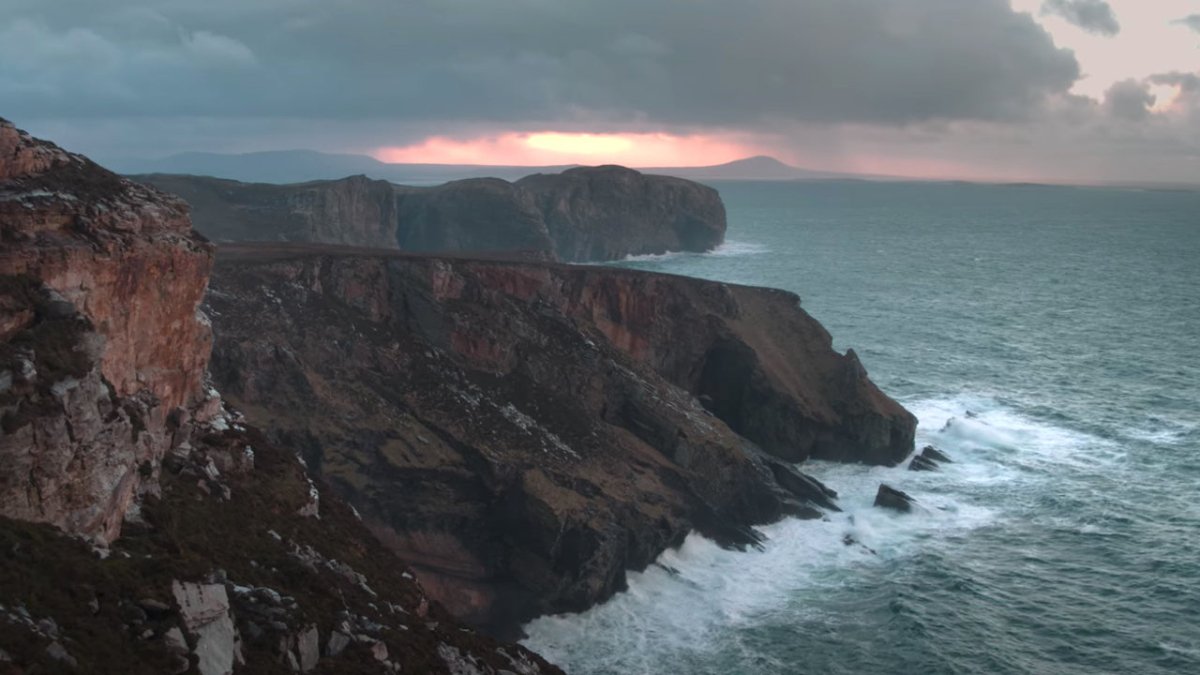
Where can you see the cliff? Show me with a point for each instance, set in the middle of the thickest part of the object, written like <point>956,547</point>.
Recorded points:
<point>353,211</point>
<point>523,434</point>
<point>610,212</point>
<point>145,527</point>
<point>94,260</point>
<point>603,213</point>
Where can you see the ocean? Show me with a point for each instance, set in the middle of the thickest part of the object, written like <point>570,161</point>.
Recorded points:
<point>1064,538</point>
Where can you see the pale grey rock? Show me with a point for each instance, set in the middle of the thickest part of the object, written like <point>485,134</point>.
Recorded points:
<point>308,647</point>
<point>205,612</point>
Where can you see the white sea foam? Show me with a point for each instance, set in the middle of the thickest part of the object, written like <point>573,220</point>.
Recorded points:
<point>685,609</point>
<point>727,249</point>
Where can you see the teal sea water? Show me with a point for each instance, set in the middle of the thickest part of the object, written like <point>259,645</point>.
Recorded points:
<point>1064,539</point>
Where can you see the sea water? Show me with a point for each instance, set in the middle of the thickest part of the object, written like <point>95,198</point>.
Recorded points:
<point>1048,339</point>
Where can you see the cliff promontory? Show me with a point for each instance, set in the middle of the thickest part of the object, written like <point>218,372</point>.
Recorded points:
<point>524,433</point>
<point>146,528</point>
<point>610,212</point>
<point>584,214</point>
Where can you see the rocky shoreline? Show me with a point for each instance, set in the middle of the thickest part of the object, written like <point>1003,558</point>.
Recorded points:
<point>385,450</point>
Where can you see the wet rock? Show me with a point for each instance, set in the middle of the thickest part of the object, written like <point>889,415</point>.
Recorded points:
<point>928,460</point>
<point>891,498</point>
<point>379,651</point>
<point>932,453</point>
<point>922,463</point>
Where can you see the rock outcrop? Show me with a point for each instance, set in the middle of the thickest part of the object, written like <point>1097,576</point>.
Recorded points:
<point>601,213</point>
<point>928,459</point>
<point>354,211</point>
<point>104,343</point>
<point>231,557</point>
<point>479,214</point>
<point>889,497</point>
<point>609,212</point>
<point>523,433</point>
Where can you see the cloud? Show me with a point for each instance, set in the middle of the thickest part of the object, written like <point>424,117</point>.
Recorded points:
<point>610,66</point>
<point>1191,21</point>
<point>1094,16</point>
<point>209,47</point>
<point>1129,100</point>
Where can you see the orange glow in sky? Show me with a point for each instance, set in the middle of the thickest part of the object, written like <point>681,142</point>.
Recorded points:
<point>553,147</point>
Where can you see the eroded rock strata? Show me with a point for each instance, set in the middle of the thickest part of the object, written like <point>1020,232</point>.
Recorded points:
<point>593,213</point>
<point>523,434</point>
<point>146,528</point>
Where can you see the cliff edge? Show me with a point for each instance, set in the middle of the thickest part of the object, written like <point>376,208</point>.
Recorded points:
<point>146,527</point>
<point>523,434</point>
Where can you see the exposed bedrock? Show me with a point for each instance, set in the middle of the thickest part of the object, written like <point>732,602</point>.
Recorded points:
<point>102,281</point>
<point>523,433</point>
<point>231,557</point>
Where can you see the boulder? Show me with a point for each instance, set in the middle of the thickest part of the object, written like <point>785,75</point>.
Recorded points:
<point>932,453</point>
<point>205,612</point>
<point>891,498</point>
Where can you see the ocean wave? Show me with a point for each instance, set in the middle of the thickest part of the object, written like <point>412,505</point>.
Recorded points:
<point>691,608</point>
<point>728,249</point>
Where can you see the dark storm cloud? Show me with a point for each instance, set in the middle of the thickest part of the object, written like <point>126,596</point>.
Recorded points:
<point>608,63</point>
<point>1129,100</point>
<point>1094,16</point>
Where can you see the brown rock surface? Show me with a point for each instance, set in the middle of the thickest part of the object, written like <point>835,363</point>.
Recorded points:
<point>124,256</point>
<point>105,427</point>
<point>525,433</point>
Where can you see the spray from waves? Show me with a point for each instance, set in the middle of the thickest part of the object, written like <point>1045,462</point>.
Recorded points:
<point>728,249</point>
<point>691,611</point>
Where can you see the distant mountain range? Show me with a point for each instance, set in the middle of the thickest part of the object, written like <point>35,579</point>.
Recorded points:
<point>297,166</point>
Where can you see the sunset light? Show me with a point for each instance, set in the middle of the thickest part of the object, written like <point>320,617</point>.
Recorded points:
<point>580,144</point>
<point>554,147</point>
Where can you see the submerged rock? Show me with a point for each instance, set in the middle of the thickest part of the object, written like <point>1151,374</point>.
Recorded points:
<point>891,498</point>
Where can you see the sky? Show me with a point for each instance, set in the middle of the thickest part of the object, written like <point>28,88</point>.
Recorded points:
<point>1065,90</point>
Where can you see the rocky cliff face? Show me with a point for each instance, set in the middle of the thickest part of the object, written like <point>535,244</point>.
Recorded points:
<point>354,211</point>
<point>602,213</point>
<point>231,556</point>
<point>480,214</point>
<point>103,279</point>
<point>609,212</point>
<point>525,433</point>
